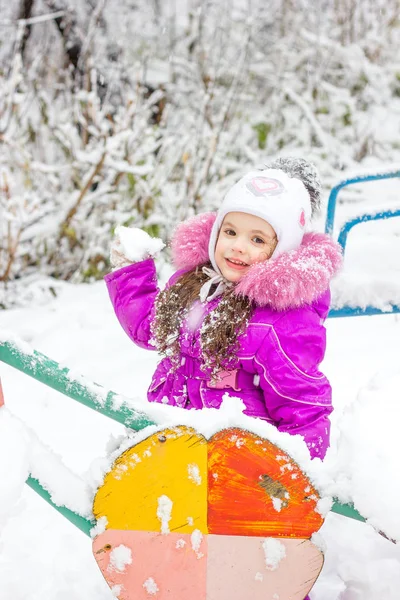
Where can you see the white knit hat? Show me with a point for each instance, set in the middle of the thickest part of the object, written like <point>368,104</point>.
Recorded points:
<point>280,200</point>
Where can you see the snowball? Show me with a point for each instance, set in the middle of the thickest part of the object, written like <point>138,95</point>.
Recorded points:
<point>136,244</point>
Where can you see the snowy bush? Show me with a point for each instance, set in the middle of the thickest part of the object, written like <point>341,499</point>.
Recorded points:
<point>141,114</point>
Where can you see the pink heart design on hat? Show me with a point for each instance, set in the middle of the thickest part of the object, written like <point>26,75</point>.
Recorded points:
<point>260,186</point>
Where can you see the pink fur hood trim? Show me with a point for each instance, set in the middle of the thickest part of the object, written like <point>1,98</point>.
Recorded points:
<point>293,279</point>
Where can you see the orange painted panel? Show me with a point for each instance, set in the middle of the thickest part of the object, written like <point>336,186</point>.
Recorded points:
<point>254,488</point>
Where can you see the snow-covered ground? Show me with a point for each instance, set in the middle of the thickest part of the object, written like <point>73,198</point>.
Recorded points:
<point>42,556</point>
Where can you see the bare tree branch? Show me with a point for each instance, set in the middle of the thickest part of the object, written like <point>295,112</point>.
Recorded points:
<point>95,18</point>
<point>83,192</point>
<point>25,12</point>
<point>68,28</point>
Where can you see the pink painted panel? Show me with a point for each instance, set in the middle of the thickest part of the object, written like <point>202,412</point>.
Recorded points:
<point>140,565</point>
<point>242,567</point>
<point>163,567</point>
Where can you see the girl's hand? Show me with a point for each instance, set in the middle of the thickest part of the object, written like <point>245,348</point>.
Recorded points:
<point>131,245</point>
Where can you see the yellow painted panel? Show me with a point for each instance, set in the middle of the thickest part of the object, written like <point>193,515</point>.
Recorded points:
<point>160,484</point>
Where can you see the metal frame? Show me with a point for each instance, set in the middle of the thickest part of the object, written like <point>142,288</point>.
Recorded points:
<point>92,395</point>
<point>348,311</point>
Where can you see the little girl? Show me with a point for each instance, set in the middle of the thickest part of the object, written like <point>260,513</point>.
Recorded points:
<point>245,312</point>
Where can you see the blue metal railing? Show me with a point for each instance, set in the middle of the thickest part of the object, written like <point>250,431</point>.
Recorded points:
<point>353,311</point>
<point>385,214</point>
<point>330,216</point>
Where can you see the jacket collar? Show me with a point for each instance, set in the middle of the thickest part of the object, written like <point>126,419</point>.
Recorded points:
<point>292,280</point>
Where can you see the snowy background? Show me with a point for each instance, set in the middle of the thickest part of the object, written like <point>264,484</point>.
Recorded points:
<point>142,113</point>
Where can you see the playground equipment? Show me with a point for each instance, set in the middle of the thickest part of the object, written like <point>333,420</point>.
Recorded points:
<point>94,396</point>
<point>347,226</point>
<point>237,500</point>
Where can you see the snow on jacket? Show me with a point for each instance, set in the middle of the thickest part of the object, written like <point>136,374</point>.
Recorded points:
<point>277,374</point>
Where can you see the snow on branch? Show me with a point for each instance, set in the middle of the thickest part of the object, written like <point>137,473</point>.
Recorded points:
<point>102,128</point>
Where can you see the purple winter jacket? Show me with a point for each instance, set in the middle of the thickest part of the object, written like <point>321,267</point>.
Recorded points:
<point>276,374</point>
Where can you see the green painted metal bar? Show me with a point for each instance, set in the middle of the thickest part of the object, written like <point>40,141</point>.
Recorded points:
<point>47,371</point>
<point>83,524</point>
<point>347,510</point>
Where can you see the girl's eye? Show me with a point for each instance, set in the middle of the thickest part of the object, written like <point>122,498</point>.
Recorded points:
<point>229,232</point>
<point>258,240</point>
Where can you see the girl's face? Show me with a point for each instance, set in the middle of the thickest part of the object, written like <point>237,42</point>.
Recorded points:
<point>242,241</point>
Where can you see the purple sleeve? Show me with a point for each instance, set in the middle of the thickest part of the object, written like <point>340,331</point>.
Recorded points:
<point>297,395</point>
<point>132,291</point>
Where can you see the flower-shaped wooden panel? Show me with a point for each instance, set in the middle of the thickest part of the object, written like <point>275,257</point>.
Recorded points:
<point>222,519</point>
